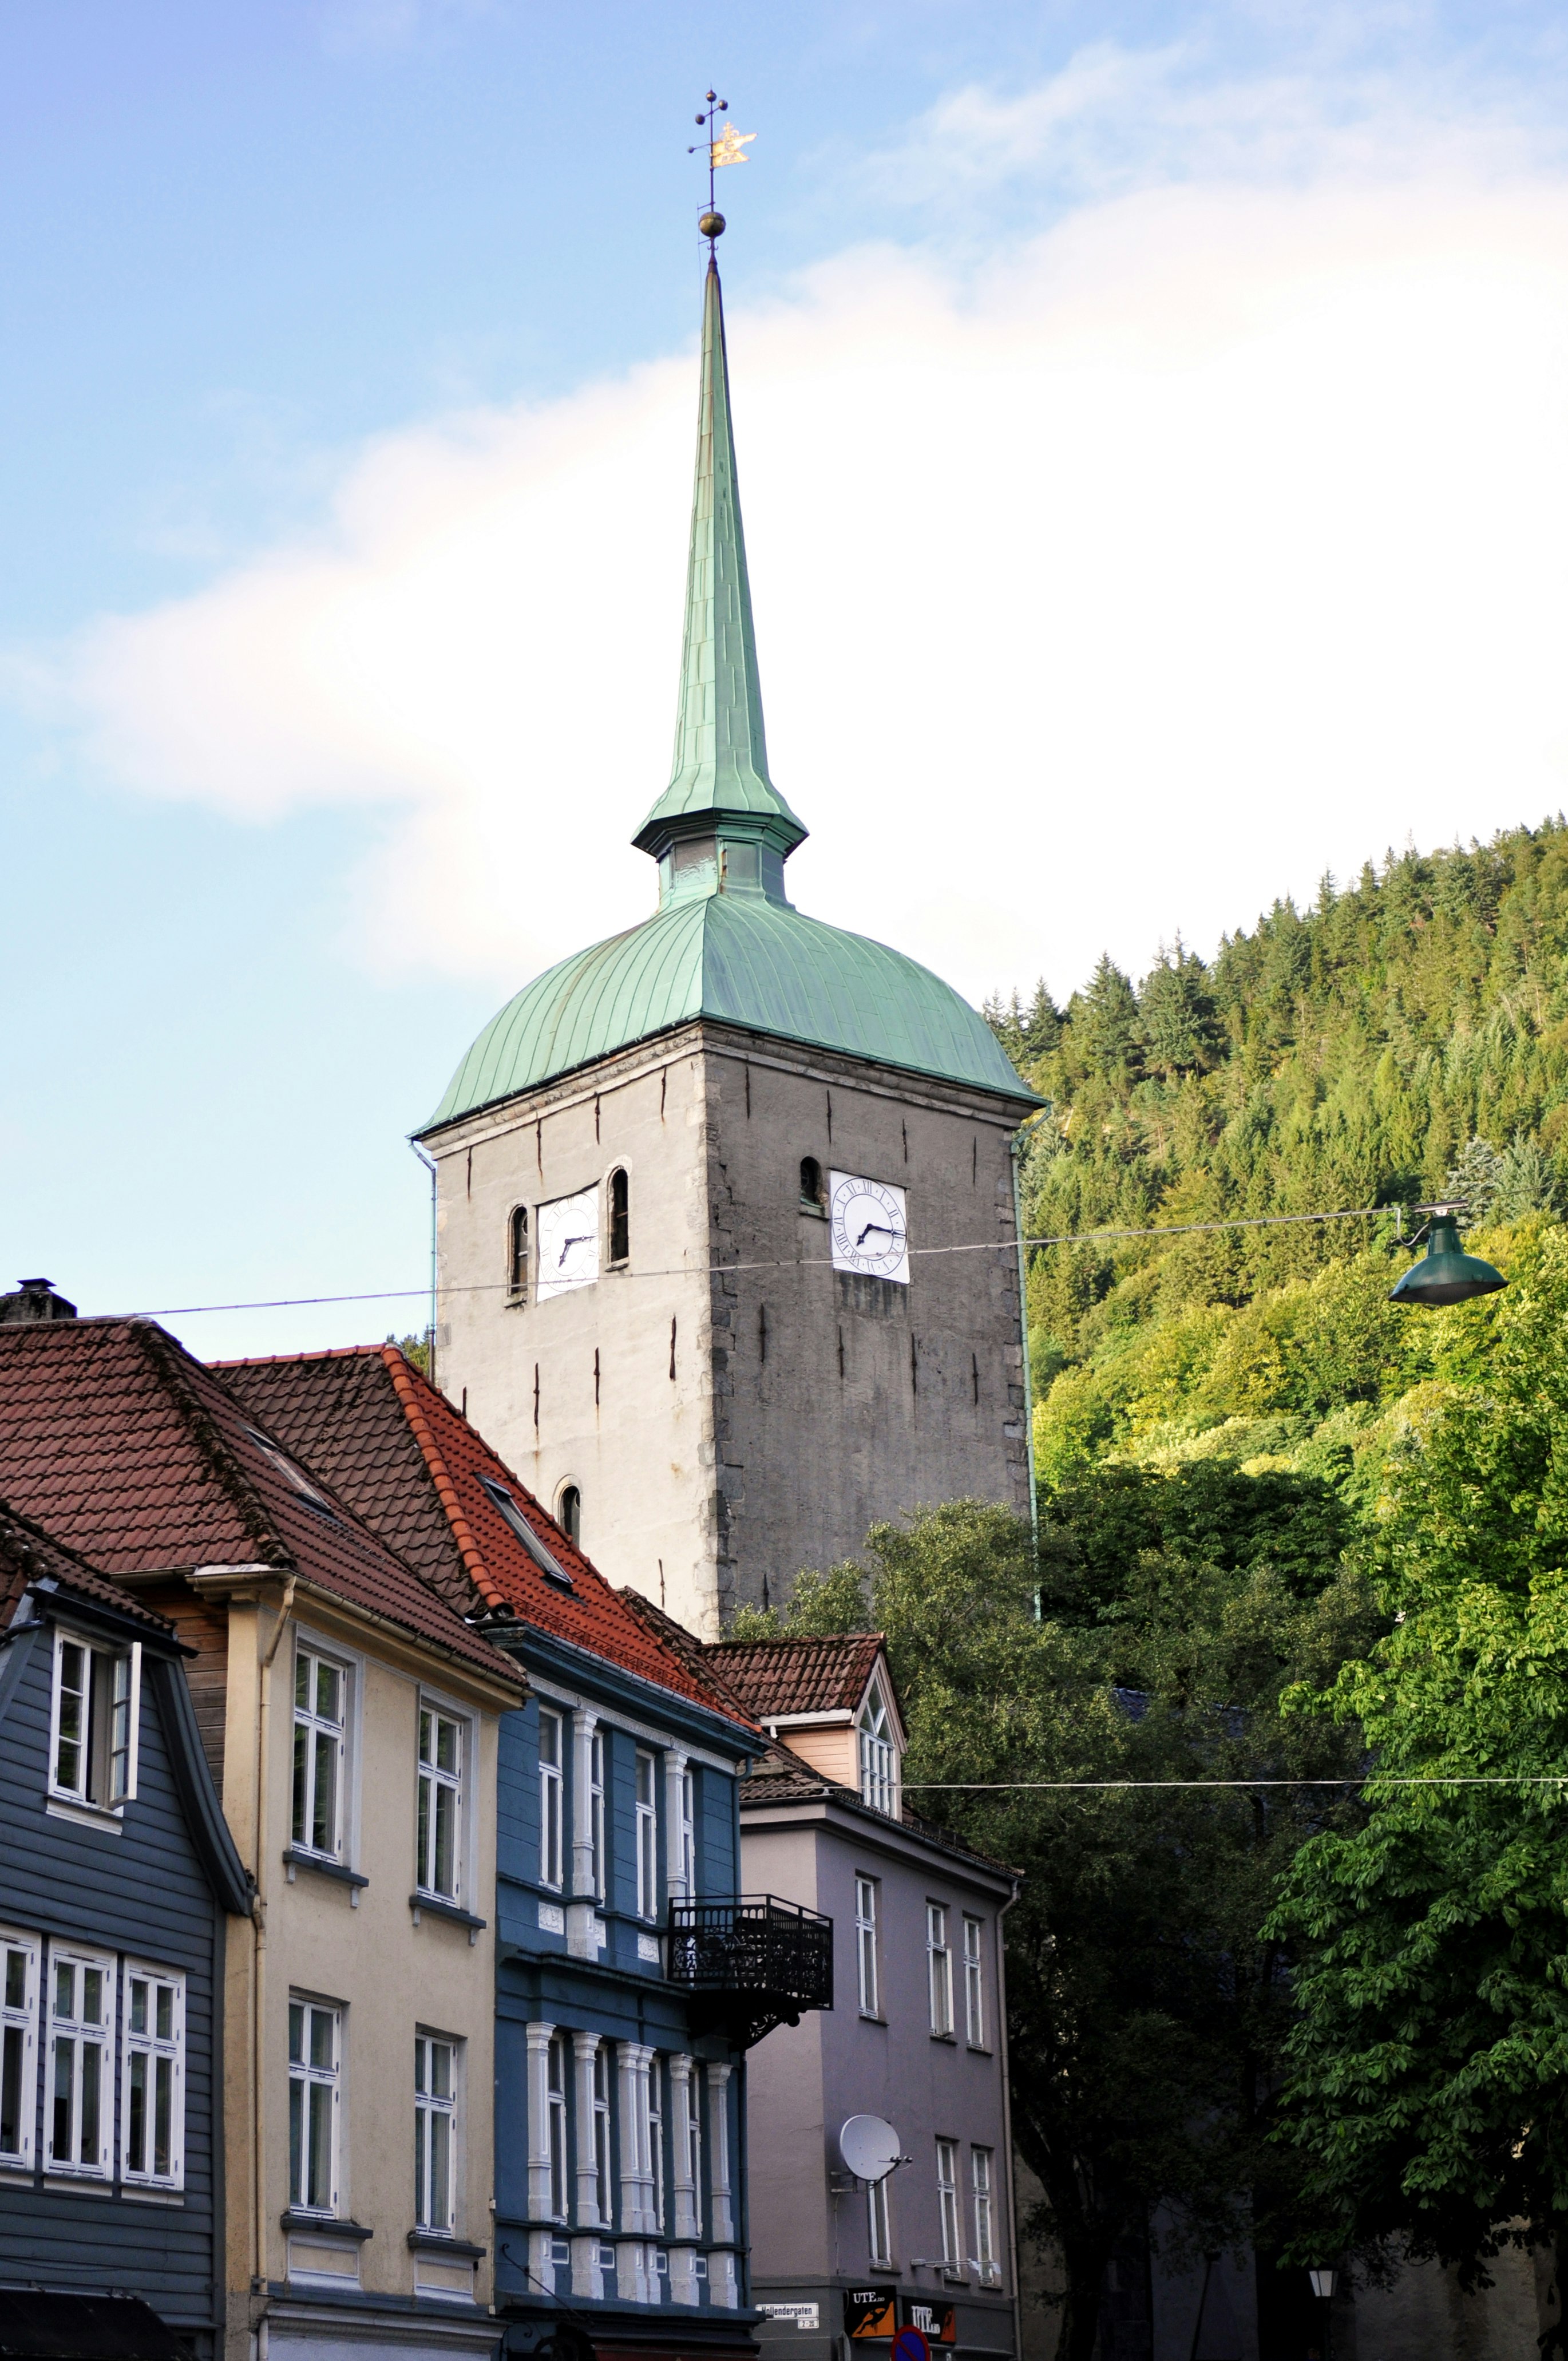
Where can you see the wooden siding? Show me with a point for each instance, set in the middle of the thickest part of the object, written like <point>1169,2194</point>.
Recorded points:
<point>144,1896</point>
<point>205,1625</point>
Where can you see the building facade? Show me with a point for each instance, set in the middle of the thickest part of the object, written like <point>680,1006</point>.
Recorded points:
<point>349,1717</point>
<point>631,1975</point>
<point>705,1184</point>
<point>117,1877</point>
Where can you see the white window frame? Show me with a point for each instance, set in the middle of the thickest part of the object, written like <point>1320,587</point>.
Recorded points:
<point>305,2077</point>
<point>690,2131</point>
<point>686,1833</point>
<point>551,1799</point>
<point>868,1898</point>
<point>981,2160</point>
<point>555,2074</point>
<point>308,1717</point>
<point>653,2086</point>
<point>974,1981</point>
<point>940,1971</point>
<point>879,2228</point>
<point>431,1783</point>
<point>112,1716</point>
<point>604,2152</point>
<point>19,2043</point>
<point>433,2108</point>
<point>159,2051</point>
<point>598,1760</point>
<point>947,2203</point>
<point>878,1755</point>
<point>83,2034</point>
<point>647,1807</point>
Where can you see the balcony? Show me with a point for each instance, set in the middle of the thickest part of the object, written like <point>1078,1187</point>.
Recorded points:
<point>750,1961</point>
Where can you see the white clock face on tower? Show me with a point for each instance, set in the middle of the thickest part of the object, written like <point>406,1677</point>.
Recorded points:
<point>568,1244</point>
<point>869,1225</point>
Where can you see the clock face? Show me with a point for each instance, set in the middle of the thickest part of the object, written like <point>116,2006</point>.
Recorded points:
<point>568,1244</point>
<point>870,1229</point>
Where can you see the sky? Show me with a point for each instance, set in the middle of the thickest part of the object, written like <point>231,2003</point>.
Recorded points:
<point>1151,436</point>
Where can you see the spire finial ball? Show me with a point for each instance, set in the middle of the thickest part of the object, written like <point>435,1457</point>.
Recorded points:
<point>712,225</point>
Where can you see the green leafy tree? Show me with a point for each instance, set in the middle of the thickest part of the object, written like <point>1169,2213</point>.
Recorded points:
<point>1428,2068</point>
<point>1152,1638</point>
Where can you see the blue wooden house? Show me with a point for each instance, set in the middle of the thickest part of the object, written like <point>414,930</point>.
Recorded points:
<point>116,1871</point>
<point>633,1975</point>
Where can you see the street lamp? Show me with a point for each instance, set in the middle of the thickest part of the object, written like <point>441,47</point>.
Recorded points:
<point>1445,1273</point>
<point>1322,2280</point>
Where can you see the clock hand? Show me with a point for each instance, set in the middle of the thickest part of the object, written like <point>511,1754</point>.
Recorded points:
<point>585,1240</point>
<point>877,1229</point>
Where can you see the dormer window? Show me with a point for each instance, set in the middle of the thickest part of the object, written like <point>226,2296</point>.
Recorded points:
<point>95,1713</point>
<point>879,1755</point>
<point>502,1500</point>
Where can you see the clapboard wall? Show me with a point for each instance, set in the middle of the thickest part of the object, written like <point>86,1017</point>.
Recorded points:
<point>145,1895</point>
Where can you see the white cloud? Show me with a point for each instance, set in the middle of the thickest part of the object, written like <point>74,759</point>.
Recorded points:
<point>1210,538</point>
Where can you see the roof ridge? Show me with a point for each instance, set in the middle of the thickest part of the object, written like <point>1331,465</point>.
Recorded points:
<point>322,1353</point>
<point>403,1385</point>
<point>800,1640</point>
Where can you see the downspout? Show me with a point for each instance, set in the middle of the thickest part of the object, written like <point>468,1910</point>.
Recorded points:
<point>258,2030</point>
<point>1016,1156</point>
<point>1007,2122</point>
<point>430,1164</point>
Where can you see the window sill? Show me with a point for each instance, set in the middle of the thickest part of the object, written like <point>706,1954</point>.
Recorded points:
<point>439,1907</point>
<point>950,2040</point>
<point>438,2242</point>
<point>979,2049</point>
<point>80,2184</point>
<point>151,2196</point>
<point>324,2225</point>
<point>873,2016</point>
<point>109,1818</point>
<point>813,1212</point>
<point>295,1858</point>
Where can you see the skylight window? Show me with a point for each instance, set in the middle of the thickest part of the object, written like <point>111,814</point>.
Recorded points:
<point>295,1474</point>
<point>526,1535</point>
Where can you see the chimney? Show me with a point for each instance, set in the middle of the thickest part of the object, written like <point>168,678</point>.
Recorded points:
<point>35,1299</point>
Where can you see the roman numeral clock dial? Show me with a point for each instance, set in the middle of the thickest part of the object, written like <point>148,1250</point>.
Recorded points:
<point>869,1227</point>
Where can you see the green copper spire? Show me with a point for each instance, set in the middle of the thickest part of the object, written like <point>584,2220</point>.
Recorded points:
<point>719,793</point>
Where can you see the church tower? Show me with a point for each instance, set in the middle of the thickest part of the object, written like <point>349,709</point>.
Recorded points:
<point>727,1261</point>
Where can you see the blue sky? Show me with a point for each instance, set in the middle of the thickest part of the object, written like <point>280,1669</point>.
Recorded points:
<point>1151,430</point>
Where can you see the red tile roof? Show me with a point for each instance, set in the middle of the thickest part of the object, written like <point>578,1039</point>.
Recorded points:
<point>134,1453</point>
<point>808,1676</point>
<point>28,1554</point>
<point>384,1437</point>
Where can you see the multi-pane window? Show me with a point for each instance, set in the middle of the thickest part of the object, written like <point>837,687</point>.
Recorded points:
<point>603,2187</point>
<point>81,2088</point>
<point>93,1737</point>
<point>551,1799</point>
<point>939,1970</point>
<point>435,2132</point>
<point>984,2232</point>
<point>555,2100</point>
<point>314,2096</point>
<point>655,2087</point>
<point>647,1839</point>
<point>879,1757</point>
<point>690,2131</point>
<point>440,1803</point>
<point>152,2090</point>
<point>879,2230</point>
<point>321,1699</point>
<point>947,2201</point>
<point>595,1810</point>
<point>18,2046</point>
<point>866,1944</point>
<point>688,1834</point>
<point>975,1986</point>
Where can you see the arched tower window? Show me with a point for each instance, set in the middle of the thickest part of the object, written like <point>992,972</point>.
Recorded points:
<point>812,1196</point>
<point>569,1514</point>
<point>517,1252</point>
<point>619,1217</point>
<point>879,1755</point>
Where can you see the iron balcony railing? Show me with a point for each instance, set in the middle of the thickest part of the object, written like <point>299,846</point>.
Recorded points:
<point>751,1961</point>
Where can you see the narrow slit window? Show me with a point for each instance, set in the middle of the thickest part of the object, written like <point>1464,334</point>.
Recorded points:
<point>975,1986</point>
<point>619,1217</point>
<point>569,1514</point>
<point>940,1971</point>
<point>878,2232</point>
<point>947,2201</point>
<point>647,1839</point>
<point>595,1808</point>
<point>556,2097</point>
<point>18,2046</point>
<point>152,2090</point>
<point>603,2191</point>
<point>551,1802</point>
<point>813,1197</point>
<point>517,1253</point>
<point>657,2137</point>
<point>984,2226</point>
<point>866,1944</point>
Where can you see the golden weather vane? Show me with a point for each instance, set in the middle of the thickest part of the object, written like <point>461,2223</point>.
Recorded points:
<point>725,145</point>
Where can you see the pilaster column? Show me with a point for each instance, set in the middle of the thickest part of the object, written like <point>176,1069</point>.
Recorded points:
<point>584,2046</point>
<point>681,2184</point>
<point>539,2038</point>
<point>674,1815</point>
<point>718,2151</point>
<point>584,1724</point>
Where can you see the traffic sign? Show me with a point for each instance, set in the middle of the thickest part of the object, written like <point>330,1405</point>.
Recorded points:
<point>911,2345</point>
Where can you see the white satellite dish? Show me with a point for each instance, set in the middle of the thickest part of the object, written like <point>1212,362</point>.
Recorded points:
<point>869,2146</point>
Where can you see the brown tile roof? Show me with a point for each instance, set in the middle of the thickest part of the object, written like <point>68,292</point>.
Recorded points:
<point>28,1554</point>
<point>782,1776</point>
<point>133,1454</point>
<point>809,1675</point>
<point>371,1426</point>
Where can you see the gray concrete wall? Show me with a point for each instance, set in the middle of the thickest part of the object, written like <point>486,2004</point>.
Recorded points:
<point>808,2219</point>
<point>798,1412</point>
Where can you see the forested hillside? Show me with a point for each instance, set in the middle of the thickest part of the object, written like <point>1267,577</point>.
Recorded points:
<point>1406,1037</point>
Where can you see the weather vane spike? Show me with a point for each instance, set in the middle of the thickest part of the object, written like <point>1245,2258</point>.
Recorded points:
<point>725,145</point>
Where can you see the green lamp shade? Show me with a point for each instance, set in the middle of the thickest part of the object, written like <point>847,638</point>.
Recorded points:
<point>1444,1273</point>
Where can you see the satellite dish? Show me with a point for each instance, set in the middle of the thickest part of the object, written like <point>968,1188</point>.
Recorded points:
<point>869,2146</point>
